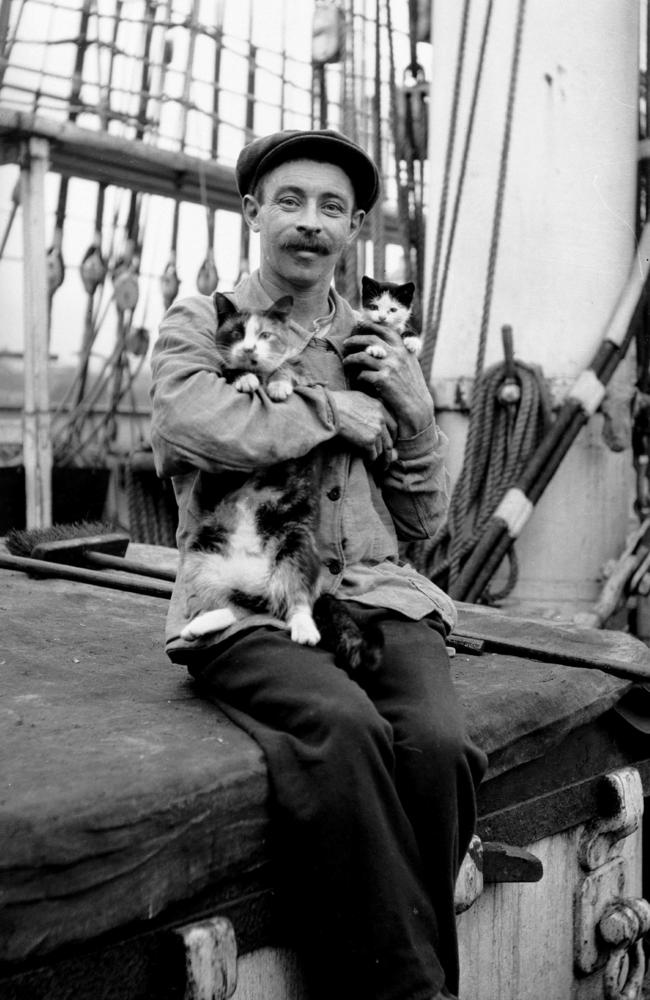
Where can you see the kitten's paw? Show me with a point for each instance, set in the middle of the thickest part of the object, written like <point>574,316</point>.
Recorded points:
<point>279,390</point>
<point>376,351</point>
<point>205,624</point>
<point>413,344</point>
<point>303,629</point>
<point>248,382</point>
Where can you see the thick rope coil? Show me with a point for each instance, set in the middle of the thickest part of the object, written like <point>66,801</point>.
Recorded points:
<point>501,437</point>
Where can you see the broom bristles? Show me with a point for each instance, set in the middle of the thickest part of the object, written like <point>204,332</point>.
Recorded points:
<point>22,542</point>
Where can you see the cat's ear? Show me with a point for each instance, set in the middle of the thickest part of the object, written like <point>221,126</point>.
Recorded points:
<point>369,287</point>
<point>404,293</point>
<point>225,308</point>
<point>281,308</point>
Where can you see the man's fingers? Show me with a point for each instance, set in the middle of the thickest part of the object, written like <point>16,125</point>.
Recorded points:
<point>363,360</point>
<point>369,334</point>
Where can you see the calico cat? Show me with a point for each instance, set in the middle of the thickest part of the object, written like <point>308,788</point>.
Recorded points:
<point>256,551</point>
<point>389,304</point>
<point>254,347</point>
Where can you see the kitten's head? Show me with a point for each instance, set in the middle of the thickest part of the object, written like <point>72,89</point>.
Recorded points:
<point>386,302</point>
<point>256,340</point>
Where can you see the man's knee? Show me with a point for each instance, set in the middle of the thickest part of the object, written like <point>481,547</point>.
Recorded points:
<point>352,721</point>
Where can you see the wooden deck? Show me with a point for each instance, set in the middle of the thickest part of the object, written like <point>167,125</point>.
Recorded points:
<point>130,805</point>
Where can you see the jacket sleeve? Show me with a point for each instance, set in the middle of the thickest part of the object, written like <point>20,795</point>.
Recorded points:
<point>200,421</point>
<point>415,487</point>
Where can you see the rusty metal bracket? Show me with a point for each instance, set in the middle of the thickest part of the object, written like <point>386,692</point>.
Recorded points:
<point>610,926</point>
<point>622,927</point>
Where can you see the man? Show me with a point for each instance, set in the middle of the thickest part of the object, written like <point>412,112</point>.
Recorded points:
<point>372,782</point>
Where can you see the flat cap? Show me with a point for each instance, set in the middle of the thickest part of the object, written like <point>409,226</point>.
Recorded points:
<point>324,145</point>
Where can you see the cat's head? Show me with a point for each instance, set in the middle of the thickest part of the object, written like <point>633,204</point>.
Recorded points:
<point>387,302</point>
<point>256,340</point>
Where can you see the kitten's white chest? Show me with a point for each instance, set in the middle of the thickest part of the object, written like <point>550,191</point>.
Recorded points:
<point>245,541</point>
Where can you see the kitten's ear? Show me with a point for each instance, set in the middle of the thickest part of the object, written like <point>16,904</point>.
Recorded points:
<point>369,287</point>
<point>404,293</point>
<point>281,308</point>
<point>224,307</point>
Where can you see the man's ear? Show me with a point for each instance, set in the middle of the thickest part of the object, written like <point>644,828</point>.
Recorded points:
<point>251,211</point>
<point>356,221</point>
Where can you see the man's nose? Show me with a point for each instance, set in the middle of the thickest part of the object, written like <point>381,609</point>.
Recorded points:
<point>309,221</point>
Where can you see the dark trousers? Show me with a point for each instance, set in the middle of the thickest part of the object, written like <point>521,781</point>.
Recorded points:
<point>372,798</point>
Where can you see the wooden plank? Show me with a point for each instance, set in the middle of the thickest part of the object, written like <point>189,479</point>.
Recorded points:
<point>518,709</point>
<point>37,446</point>
<point>613,652</point>
<point>129,163</point>
<point>109,159</point>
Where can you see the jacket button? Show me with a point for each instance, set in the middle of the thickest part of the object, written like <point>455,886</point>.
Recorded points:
<point>334,567</point>
<point>334,493</point>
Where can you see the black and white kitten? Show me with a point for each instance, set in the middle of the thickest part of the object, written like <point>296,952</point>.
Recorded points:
<point>256,551</point>
<point>389,304</point>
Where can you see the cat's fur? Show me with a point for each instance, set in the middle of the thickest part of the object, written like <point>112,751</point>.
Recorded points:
<point>256,551</point>
<point>254,347</point>
<point>389,304</point>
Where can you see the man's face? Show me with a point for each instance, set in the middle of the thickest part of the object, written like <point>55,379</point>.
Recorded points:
<point>305,215</point>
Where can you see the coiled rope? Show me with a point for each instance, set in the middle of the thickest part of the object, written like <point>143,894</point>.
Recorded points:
<point>501,437</point>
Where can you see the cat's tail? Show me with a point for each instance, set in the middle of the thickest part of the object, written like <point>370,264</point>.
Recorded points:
<point>356,650</point>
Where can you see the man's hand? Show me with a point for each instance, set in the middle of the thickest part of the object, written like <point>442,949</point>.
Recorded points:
<point>396,378</point>
<point>365,423</point>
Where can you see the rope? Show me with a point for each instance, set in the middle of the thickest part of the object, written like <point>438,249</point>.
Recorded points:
<point>402,196</point>
<point>378,231</point>
<point>501,184</point>
<point>426,358</point>
<point>461,176</point>
<point>501,438</point>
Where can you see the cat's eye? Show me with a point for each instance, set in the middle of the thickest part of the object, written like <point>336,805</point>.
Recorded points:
<point>265,335</point>
<point>393,309</point>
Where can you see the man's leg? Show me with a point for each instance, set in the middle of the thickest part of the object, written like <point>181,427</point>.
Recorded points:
<point>438,768</point>
<point>349,857</point>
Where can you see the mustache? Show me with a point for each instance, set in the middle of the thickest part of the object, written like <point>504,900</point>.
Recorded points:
<point>310,243</point>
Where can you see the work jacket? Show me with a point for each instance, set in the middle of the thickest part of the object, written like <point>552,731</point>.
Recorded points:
<point>208,437</point>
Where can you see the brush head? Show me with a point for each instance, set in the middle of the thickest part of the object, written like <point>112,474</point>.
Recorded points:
<point>67,542</point>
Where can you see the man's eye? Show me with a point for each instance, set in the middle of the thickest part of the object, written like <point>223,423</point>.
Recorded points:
<point>288,201</point>
<point>333,206</point>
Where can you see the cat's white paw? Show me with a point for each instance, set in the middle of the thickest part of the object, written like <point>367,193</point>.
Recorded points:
<point>248,382</point>
<point>303,629</point>
<point>279,390</point>
<point>208,622</point>
<point>376,351</point>
<point>413,344</point>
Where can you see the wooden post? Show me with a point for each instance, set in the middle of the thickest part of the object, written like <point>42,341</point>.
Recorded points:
<point>37,446</point>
